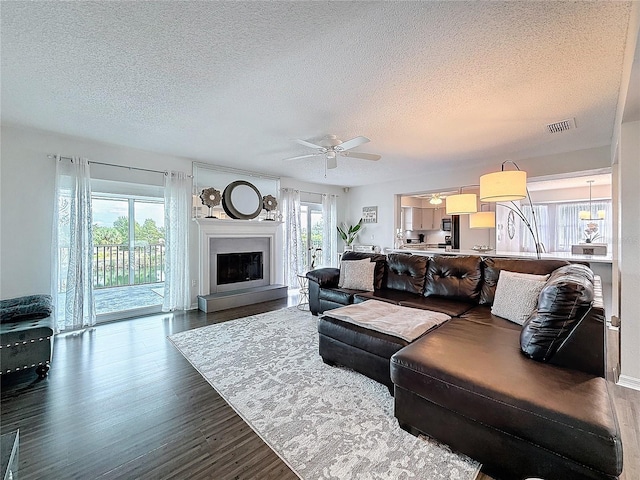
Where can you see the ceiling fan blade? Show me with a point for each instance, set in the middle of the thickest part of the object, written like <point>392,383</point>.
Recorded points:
<point>309,144</point>
<point>301,156</point>
<point>353,143</point>
<point>364,156</point>
<point>332,162</point>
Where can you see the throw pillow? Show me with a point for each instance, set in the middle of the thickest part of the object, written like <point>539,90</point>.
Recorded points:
<point>517,295</point>
<point>357,274</point>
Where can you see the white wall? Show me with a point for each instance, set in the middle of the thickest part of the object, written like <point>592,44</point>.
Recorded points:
<point>629,252</point>
<point>625,151</point>
<point>445,178</point>
<point>27,190</point>
<point>27,198</point>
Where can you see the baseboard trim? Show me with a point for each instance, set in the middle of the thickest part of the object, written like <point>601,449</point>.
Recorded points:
<point>629,382</point>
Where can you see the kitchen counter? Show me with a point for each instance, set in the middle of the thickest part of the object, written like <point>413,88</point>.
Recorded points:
<point>554,255</point>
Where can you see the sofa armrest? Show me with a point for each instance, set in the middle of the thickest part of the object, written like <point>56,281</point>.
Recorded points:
<point>584,348</point>
<point>325,277</point>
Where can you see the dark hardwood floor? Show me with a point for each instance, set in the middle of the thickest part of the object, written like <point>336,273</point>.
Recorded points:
<point>121,402</point>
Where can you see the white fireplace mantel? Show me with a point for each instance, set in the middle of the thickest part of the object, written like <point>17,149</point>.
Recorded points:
<point>209,228</point>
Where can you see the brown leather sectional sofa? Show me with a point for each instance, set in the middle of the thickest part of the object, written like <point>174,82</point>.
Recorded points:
<point>526,401</point>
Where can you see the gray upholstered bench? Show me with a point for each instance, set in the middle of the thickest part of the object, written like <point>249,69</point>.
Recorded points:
<point>26,334</point>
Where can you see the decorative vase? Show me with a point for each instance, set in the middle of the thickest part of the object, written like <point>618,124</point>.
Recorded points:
<point>348,248</point>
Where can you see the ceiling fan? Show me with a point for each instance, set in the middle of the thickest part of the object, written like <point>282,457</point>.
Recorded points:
<point>331,147</point>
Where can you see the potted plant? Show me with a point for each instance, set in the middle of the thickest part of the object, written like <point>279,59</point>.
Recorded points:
<point>348,235</point>
<point>591,233</point>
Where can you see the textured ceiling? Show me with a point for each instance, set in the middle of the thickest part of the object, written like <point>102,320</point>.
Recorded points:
<point>235,83</point>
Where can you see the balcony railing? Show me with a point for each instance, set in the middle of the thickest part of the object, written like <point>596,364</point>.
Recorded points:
<point>119,265</point>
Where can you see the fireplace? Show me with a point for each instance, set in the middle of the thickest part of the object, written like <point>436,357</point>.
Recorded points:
<point>222,244</point>
<point>239,267</point>
<point>238,263</point>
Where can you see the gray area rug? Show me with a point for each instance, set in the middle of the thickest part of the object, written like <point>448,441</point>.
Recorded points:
<point>324,422</point>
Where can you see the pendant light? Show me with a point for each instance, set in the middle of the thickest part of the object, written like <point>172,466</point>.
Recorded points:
<point>587,215</point>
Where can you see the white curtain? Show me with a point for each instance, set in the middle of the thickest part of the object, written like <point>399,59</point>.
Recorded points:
<point>542,222</point>
<point>72,269</point>
<point>560,225</point>
<point>177,214</point>
<point>329,231</point>
<point>571,230</point>
<point>293,248</point>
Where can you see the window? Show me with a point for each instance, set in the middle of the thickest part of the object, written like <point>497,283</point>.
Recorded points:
<point>560,226</point>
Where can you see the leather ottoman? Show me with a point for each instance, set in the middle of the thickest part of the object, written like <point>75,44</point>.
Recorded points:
<point>363,350</point>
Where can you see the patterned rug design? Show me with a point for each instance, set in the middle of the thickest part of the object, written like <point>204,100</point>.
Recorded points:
<point>324,422</point>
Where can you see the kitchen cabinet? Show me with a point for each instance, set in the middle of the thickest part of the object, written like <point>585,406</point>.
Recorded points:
<point>438,215</point>
<point>427,219</point>
<point>416,218</point>
<point>412,218</point>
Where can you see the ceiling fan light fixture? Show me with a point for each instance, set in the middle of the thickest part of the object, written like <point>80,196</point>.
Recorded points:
<point>435,199</point>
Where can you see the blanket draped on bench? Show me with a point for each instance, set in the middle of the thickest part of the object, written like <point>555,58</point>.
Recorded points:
<point>31,306</point>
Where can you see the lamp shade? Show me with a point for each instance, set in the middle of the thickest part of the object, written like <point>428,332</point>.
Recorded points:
<point>482,220</point>
<point>462,203</point>
<point>503,186</point>
<point>584,215</point>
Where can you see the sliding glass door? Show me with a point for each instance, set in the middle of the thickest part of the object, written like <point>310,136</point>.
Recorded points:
<point>311,224</point>
<point>128,255</point>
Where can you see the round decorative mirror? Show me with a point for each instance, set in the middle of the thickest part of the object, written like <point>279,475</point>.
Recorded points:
<point>242,200</point>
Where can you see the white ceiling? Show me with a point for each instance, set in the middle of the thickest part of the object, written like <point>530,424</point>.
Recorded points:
<point>233,83</point>
<point>570,182</point>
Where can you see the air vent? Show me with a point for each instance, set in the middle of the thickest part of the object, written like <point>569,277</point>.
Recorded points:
<point>561,126</point>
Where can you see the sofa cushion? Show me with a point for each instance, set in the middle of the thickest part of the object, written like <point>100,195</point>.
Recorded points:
<point>385,295</point>
<point>406,272</point>
<point>357,274</point>
<point>454,277</point>
<point>482,314</point>
<point>476,370</point>
<point>517,295</point>
<point>381,261</point>
<point>451,307</point>
<point>493,266</point>
<point>563,302</point>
